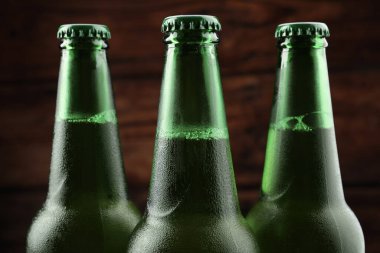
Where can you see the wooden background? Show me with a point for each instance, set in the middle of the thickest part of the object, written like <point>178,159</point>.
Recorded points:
<point>28,80</point>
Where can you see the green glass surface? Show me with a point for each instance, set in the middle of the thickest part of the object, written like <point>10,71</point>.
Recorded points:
<point>302,206</point>
<point>192,204</point>
<point>86,208</point>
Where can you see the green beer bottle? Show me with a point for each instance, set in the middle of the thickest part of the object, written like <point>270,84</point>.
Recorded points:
<point>302,206</point>
<point>192,205</point>
<point>87,208</point>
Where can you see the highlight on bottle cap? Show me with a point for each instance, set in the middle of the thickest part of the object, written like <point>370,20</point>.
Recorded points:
<point>191,23</point>
<point>304,29</point>
<point>94,31</point>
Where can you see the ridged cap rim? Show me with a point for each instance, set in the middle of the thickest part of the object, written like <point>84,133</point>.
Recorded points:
<point>299,29</point>
<point>191,23</point>
<point>69,31</point>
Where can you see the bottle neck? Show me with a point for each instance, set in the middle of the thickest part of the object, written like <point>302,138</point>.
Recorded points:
<point>84,86</point>
<point>301,164</point>
<point>192,168</point>
<point>302,93</point>
<point>86,165</point>
<point>191,96</point>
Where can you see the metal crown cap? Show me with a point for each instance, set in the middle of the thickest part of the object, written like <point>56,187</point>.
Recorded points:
<point>95,31</point>
<point>302,29</point>
<point>191,23</point>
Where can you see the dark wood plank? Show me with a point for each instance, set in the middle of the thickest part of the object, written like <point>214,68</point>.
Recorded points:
<point>248,102</point>
<point>136,49</point>
<point>29,71</point>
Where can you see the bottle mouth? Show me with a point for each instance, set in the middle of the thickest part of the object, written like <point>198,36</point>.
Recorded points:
<point>191,30</point>
<point>302,29</point>
<point>83,31</point>
<point>205,23</point>
<point>83,36</point>
<point>302,35</point>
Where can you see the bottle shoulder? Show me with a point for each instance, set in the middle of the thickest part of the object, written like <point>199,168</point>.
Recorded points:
<point>326,229</point>
<point>193,235</point>
<point>70,229</point>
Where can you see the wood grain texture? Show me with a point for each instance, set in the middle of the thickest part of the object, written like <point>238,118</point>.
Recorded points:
<point>247,54</point>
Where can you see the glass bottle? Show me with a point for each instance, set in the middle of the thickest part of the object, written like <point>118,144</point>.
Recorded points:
<point>86,208</point>
<point>302,206</point>
<point>192,205</point>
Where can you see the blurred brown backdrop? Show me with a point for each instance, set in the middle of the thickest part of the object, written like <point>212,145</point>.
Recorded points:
<point>28,77</point>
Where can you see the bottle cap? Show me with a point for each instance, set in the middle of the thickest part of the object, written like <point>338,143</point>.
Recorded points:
<point>69,31</point>
<point>191,23</point>
<point>299,29</point>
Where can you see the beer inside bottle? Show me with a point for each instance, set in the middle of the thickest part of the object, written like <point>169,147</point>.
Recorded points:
<point>87,208</point>
<point>302,206</point>
<point>192,205</point>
